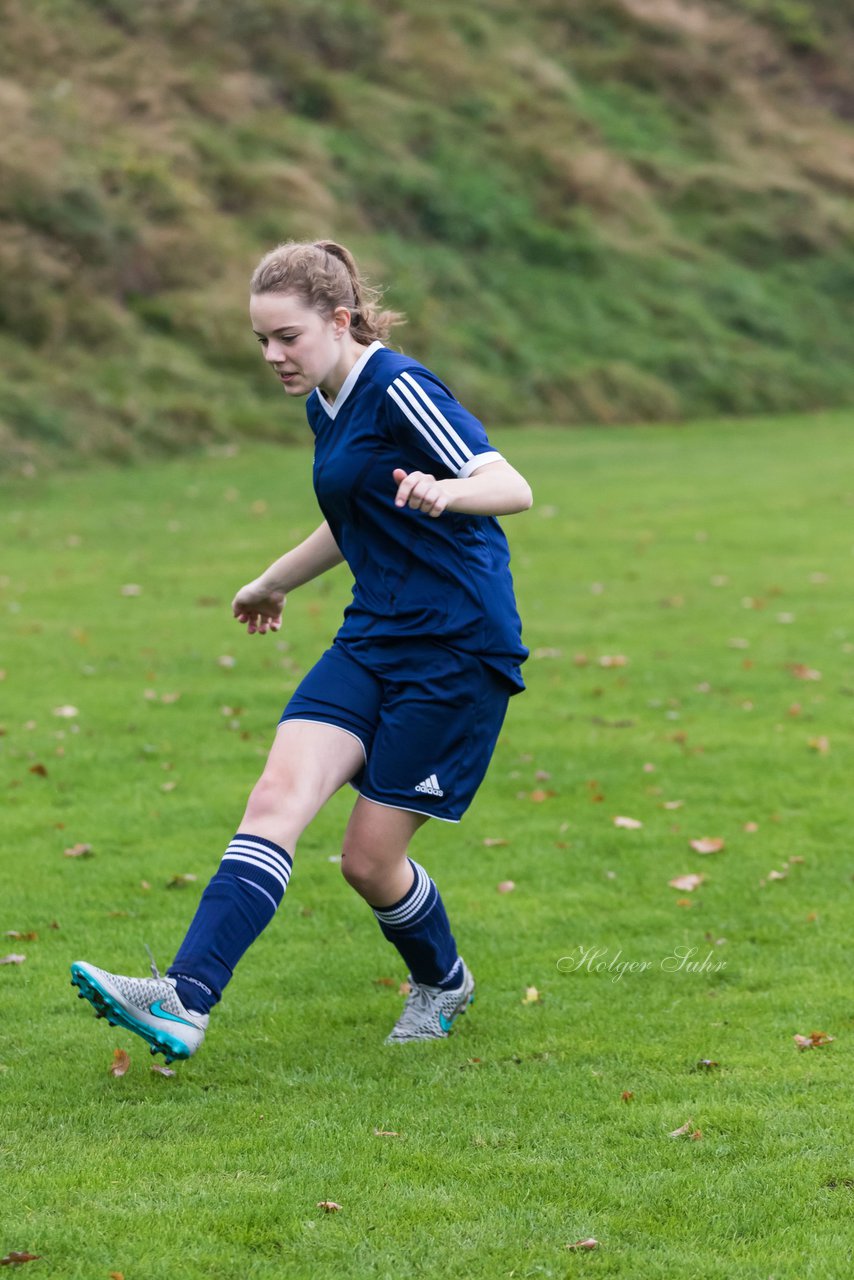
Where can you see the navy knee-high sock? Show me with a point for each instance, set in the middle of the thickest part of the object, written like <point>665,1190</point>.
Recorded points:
<point>237,905</point>
<point>418,926</point>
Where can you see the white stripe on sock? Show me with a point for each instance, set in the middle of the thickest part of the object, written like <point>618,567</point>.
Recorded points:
<point>232,857</point>
<point>260,890</point>
<point>411,909</point>
<point>282,861</point>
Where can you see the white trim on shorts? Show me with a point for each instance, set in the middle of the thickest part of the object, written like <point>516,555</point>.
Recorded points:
<point>406,809</point>
<point>331,724</point>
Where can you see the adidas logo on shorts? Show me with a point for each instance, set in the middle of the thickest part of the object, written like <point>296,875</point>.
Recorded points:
<point>430,786</point>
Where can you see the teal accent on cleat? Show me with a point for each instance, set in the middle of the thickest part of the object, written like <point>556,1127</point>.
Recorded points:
<point>430,1012</point>
<point>149,1007</point>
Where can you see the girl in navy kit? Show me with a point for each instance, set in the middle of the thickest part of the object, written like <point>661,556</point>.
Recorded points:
<point>407,703</point>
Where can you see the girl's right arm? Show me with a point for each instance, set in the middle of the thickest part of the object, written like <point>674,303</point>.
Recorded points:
<point>260,603</point>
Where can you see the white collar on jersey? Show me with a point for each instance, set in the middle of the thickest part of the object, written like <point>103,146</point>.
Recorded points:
<point>349,382</point>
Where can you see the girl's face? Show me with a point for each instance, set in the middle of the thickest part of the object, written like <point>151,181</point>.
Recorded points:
<point>305,349</point>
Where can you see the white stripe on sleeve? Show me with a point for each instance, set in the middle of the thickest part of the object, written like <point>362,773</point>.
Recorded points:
<point>463,447</point>
<point>453,457</point>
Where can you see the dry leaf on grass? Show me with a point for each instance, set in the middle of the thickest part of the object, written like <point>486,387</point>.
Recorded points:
<point>121,1063</point>
<point>32,936</point>
<point>686,883</point>
<point>12,959</point>
<point>160,1070</point>
<point>630,824</point>
<point>328,1206</point>
<point>682,1130</point>
<point>708,844</point>
<point>531,996</point>
<point>589,1243</point>
<point>506,886</point>
<point>181,881</point>
<point>493,843</point>
<point>79,851</point>
<point>386,1133</point>
<point>626,1095</point>
<point>814,1040</point>
<point>66,712</point>
<point>13,1259</point>
<point>802,672</point>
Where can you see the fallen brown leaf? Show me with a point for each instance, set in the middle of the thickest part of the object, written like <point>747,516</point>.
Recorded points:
<point>802,672</point>
<point>32,936</point>
<point>686,883</point>
<point>12,1259</point>
<point>386,1133</point>
<point>630,824</point>
<point>12,959</point>
<point>506,886</point>
<point>683,1129</point>
<point>626,1095</point>
<point>328,1206</point>
<point>538,796</point>
<point>79,851</point>
<point>708,844</point>
<point>814,1040</point>
<point>121,1063</point>
<point>821,745</point>
<point>404,989</point>
<point>589,1243</point>
<point>385,982</point>
<point>181,881</point>
<point>491,843</point>
<point>38,769</point>
<point>160,1070</point>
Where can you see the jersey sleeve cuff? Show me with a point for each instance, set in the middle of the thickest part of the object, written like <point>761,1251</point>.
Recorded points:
<point>479,460</point>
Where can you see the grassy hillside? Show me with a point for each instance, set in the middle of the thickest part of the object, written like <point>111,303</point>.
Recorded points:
<point>591,210</point>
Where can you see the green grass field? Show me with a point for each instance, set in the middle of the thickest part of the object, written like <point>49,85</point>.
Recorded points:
<point>717,561</point>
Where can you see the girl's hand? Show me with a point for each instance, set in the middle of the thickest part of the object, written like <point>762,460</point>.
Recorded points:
<point>259,606</point>
<point>420,491</point>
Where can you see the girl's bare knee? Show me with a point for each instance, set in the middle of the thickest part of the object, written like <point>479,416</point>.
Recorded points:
<point>273,798</point>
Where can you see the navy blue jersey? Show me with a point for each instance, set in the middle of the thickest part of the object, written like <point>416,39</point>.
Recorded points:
<point>447,577</point>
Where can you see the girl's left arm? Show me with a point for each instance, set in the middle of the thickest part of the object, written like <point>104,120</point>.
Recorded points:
<point>495,489</point>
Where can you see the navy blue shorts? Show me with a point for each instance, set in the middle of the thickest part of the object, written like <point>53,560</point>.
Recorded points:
<point>427,717</point>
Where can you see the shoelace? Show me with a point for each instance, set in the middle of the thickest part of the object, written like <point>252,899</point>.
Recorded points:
<point>416,1002</point>
<point>155,972</point>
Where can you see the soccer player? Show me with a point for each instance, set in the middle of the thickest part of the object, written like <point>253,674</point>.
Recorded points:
<point>407,703</point>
